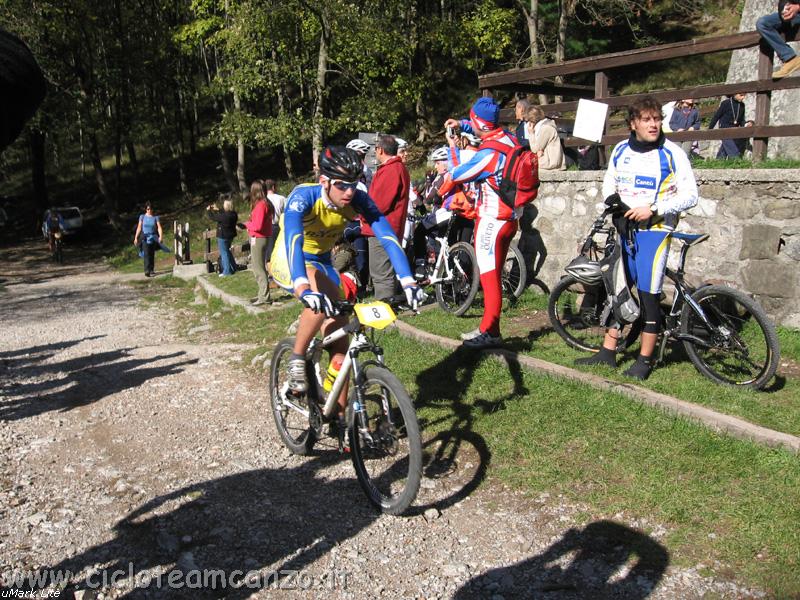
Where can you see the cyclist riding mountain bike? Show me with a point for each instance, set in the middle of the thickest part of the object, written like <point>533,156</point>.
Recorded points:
<point>315,217</point>
<point>496,222</point>
<point>654,178</point>
<point>53,224</point>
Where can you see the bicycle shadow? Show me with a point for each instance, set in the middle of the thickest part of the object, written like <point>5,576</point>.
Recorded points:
<point>264,520</point>
<point>603,560</point>
<point>447,454</point>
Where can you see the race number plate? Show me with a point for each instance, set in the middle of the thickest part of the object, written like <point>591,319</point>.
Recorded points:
<point>377,315</point>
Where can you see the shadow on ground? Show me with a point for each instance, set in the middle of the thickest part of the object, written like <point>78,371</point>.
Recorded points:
<point>603,560</point>
<point>266,520</point>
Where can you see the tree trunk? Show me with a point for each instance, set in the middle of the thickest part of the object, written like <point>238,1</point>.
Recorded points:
<point>566,9</point>
<point>38,168</point>
<point>108,202</point>
<point>287,155</point>
<point>227,170</point>
<point>240,154</point>
<point>322,71</point>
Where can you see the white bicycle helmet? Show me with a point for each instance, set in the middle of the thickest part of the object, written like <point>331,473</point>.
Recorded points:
<point>359,146</point>
<point>585,270</point>
<point>474,140</point>
<point>439,154</point>
<point>401,143</point>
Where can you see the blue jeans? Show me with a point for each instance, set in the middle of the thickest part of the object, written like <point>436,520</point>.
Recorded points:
<point>770,28</point>
<point>226,257</point>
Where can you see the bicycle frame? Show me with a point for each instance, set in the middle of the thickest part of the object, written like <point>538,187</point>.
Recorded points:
<point>358,343</point>
<point>441,259</point>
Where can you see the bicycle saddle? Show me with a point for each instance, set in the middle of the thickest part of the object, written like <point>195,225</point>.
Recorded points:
<point>690,238</point>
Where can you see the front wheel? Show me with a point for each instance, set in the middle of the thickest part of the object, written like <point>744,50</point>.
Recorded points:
<point>456,293</point>
<point>291,413</point>
<point>385,441</point>
<point>515,273</point>
<point>574,309</point>
<point>741,346</point>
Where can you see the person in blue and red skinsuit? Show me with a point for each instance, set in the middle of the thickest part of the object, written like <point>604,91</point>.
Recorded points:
<point>497,222</point>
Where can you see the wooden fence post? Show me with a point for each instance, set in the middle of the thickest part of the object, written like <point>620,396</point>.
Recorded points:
<point>601,91</point>
<point>763,99</point>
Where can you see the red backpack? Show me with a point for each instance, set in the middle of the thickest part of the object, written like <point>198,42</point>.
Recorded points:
<point>520,179</point>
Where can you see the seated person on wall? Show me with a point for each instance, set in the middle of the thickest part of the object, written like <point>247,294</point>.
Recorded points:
<point>773,26</point>
<point>544,140</point>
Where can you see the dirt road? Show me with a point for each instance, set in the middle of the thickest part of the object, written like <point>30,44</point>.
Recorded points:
<point>142,466</point>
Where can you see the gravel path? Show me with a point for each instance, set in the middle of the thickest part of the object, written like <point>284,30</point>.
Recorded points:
<point>125,448</point>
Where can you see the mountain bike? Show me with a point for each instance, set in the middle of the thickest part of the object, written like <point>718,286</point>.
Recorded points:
<point>381,423</point>
<point>726,334</point>
<point>453,271</point>
<point>57,253</point>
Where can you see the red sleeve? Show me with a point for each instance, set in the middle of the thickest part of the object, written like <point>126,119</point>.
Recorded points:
<point>259,218</point>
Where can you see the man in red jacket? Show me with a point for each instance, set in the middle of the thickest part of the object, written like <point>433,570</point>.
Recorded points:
<point>389,190</point>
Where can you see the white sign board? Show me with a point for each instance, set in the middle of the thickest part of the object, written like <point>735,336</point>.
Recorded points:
<point>590,121</point>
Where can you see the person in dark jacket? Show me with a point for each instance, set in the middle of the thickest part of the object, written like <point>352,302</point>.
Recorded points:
<point>226,220</point>
<point>730,114</point>
<point>773,26</point>
<point>519,110</point>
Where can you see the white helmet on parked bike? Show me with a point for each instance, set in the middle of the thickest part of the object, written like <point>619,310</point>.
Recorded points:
<point>359,146</point>
<point>439,154</point>
<point>585,270</point>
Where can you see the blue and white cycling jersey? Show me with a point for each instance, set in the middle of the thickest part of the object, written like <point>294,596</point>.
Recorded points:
<point>662,176</point>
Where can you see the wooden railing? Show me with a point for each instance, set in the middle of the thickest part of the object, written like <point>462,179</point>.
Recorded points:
<point>240,251</point>
<point>535,80</point>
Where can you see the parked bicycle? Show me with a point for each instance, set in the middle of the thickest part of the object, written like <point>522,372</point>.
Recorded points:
<point>726,334</point>
<point>381,424</point>
<point>452,270</point>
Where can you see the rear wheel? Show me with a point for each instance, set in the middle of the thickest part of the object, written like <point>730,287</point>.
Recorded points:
<point>455,295</point>
<point>385,446</point>
<point>291,413</point>
<point>515,273</point>
<point>574,310</point>
<point>741,347</point>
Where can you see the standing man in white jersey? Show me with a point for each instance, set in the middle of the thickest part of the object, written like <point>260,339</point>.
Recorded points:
<point>653,177</point>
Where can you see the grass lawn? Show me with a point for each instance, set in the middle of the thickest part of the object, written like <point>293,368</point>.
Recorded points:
<point>726,504</point>
<point>526,329</point>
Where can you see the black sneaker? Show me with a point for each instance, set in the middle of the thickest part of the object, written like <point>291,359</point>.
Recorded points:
<point>603,357</point>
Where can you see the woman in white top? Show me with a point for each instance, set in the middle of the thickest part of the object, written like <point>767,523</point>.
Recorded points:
<point>543,139</point>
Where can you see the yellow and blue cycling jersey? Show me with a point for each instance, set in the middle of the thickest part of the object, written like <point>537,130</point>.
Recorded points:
<point>310,226</point>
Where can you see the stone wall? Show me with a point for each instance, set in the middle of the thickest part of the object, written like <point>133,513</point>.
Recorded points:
<point>752,216</point>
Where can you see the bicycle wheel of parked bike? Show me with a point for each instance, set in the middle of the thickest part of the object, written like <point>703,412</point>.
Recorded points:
<point>574,309</point>
<point>387,453</point>
<point>455,295</point>
<point>515,273</point>
<point>740,348</point>
<point>293,426</point>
